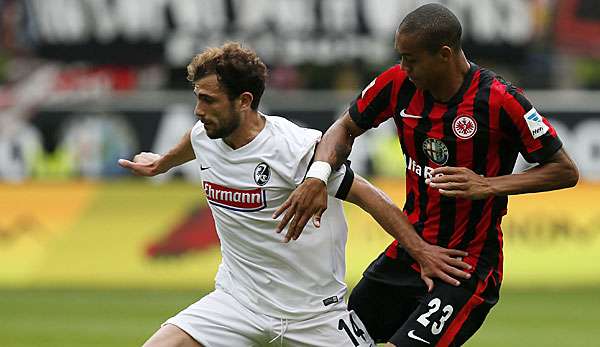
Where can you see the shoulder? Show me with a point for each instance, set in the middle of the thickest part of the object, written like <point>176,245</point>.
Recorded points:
<point>498,84</point>
<point>394,73</point>
<point>395,70</point>
<point>290,147</point>
<point>291,133</point>
<point>501,90</point>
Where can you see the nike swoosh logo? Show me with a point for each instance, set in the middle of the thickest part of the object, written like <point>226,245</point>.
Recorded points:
<point>412,335</point>
<point>406,115</point>
<point>202,168</point>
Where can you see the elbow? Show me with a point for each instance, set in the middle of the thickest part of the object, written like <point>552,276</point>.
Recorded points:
<point>567,173</point>
<point>570,175</point>
<point>573,176</point>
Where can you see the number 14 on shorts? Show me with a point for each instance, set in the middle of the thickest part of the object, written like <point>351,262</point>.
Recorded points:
<point>356,334</point>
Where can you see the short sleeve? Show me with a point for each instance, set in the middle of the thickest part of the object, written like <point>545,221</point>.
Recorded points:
<point>527,129</point>
<point>303,165</point>
<point>376,103</point>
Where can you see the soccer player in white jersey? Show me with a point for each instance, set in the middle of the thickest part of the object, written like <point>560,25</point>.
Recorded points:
<point>269,292</point>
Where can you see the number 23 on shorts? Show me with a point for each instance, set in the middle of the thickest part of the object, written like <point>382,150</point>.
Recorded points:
<point>435,305</point>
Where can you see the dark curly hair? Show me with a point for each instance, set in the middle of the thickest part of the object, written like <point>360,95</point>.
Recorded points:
<point>238,69</point>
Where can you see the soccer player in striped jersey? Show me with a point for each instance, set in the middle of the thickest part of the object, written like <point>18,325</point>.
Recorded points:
<point>269,293</point>
<point>461,128</point>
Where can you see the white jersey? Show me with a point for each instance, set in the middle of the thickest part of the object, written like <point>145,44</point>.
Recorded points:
<point>243,188</point>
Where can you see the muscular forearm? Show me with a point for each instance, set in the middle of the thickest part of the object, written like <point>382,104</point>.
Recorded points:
<point>460,182</point>
<point>387,215</point>
<point>178,155</point>
<point>558,173</point>
<point>335,147</point>
<point>434,261</point>
<point>336,144</point>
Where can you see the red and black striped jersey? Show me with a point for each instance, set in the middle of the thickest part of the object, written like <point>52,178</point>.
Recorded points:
<point>483,128</point>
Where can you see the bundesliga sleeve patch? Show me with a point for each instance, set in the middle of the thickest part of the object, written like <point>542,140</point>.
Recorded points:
<point>535,123</point>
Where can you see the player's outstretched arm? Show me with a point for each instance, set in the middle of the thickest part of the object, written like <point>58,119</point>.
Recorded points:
<point>309,200</point>
<point>435,261</point>
<point>152,164</point>
<point>459,182</point>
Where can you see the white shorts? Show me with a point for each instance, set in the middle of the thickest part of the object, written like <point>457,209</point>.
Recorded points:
<point>219,320</point>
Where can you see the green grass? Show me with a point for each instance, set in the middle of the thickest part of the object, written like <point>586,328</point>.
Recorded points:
<point>557,318</point>
<point>65,318</point>
<point>86,317</point>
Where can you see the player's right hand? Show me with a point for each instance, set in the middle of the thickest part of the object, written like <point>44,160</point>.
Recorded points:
<point>308,201</point>
<point>442,263</point>
<point>143,164</point>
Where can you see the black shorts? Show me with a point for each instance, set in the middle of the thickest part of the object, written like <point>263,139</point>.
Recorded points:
<point>409,316</point>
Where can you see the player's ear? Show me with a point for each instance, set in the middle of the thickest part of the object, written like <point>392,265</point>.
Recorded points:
<point>246,99</point>
<point>446,53</point>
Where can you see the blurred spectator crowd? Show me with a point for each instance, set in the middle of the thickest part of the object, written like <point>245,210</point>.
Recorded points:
<point>83,82</point>
<point>308,44</point>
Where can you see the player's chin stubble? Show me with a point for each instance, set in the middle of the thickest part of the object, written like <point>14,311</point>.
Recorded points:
<point>226,128</point>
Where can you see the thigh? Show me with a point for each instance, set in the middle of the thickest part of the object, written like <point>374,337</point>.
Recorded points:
<point>383,308</point>
<point>449,315</point>
<point>338,328</point>
<point>218,320</point>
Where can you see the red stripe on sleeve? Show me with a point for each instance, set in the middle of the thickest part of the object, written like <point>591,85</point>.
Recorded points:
<point>517,107</point>
<point>394,75</point>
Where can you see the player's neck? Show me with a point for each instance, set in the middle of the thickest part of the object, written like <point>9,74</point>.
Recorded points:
<point>250,126</point>
<point>448,86</point>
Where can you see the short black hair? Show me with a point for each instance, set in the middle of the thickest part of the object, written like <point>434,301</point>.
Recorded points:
<point>436,25</point>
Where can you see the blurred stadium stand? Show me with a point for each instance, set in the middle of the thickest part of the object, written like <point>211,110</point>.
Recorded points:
<point>85,82</point>
<point>103,79</point>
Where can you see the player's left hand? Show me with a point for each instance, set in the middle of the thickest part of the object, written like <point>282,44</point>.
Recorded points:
<point>442,263</point>
<point>460,182</point>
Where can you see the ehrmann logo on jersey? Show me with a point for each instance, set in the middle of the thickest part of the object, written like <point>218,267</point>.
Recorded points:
<point>262,173</point>
<point>436,150</point>
<point>248,200</point>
